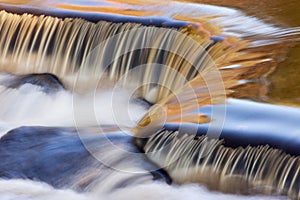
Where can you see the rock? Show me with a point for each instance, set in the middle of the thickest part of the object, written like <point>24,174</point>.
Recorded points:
<point>48,82</point>
<point>63,159</point>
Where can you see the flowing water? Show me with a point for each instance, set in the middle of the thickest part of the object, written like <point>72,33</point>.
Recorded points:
<point>94,62</point>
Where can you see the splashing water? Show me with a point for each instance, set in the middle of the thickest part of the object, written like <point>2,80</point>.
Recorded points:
<point>29,190</point>
<point>30,106</point>
<point>224,168</point>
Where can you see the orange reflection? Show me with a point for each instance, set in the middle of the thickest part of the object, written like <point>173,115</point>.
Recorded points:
<point>135,2</point>
<point>112,10</point>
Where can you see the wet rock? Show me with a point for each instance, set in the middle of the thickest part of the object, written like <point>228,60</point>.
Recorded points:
<point>63,159</point>
<point>48,82</point>
<point>245,123</point>
<point>217,38</point>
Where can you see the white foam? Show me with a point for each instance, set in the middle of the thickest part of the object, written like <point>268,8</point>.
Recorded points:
<point>30,190</point>
<point>30,106</point>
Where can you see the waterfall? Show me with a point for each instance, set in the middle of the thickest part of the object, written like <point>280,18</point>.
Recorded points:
<point>104,51</point>
<point>245,170</point>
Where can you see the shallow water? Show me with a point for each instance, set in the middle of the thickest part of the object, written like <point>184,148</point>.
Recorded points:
<point>285,81</point>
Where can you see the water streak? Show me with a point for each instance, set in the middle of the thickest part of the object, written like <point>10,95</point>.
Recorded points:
<point>241,170</point>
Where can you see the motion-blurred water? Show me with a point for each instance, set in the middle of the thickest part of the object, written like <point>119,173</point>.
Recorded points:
<point>28,105</point>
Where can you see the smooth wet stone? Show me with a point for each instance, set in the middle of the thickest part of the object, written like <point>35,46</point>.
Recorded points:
<point>217,38</point>
<point>48,82</point>
<point>60,157</point>
<point>248,123</point>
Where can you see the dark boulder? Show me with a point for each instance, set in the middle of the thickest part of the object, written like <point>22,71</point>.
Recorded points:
<point>48,82</point>
<point>60,157</point>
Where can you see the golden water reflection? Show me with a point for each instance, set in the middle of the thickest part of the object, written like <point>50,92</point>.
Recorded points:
<point>285,81</point>
<point>282,86</point>
<point>282,12</point>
